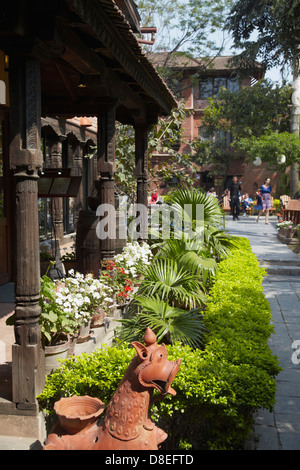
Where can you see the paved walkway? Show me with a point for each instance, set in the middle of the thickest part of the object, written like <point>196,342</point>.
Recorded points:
<point>279,430</point>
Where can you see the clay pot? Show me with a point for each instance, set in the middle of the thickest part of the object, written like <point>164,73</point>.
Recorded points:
<point>98,318</point>
<point>53,353</point>
<point>69,265</point>
<point>289,232</point>
<point>84,332</point>
<point>76,413</point>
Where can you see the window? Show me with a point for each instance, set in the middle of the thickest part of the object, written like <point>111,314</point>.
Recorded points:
<point>45,219</point>
<point>211,86</point>
<point>203,134</point>
<point>232,85</point>
<point>206,88</point>
<point>221,135</point>
<point>62,209</point>
<point>219,82</point>
<point>68,217</point>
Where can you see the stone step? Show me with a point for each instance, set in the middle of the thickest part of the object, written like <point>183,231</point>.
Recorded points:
<point>282,270</point>
<point>286,262</point>
<point>280,278</point>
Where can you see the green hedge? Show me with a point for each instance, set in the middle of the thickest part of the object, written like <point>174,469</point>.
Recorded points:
<point>218,388</point>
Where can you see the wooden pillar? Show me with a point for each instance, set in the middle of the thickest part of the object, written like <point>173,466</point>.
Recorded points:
<point>106,166</point>
<point>141,163</point>
<point>141,171</point>
<point>26,158</point>
<point>77,170</point>
<point>57,202</point>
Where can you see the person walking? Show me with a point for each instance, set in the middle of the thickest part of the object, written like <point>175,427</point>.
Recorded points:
<point>234,198</point>
<point>265,191</point>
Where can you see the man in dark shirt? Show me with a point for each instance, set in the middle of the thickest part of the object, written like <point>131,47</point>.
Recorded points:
<point>234,193</point>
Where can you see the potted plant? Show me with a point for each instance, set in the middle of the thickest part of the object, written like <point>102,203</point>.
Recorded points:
<point>286,228</point>
<point>119,281</point>
<point>134,257</point>
<point>69,261</point>
<point>57,326</point>
<point>81,296</point>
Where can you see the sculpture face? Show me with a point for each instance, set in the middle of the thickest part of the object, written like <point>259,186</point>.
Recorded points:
<point>156,370</point>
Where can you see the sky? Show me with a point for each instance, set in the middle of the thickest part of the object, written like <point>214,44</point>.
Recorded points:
<point>273,74</point>
<point>224,39</point>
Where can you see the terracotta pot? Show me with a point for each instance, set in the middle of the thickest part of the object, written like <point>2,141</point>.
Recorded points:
<point>84,332</point>
<point>53,353</point>
<point>69,265</point>
<point>98,318</point>
<point>75,413</point>
<point>72,343</point>
<point>289,232</point>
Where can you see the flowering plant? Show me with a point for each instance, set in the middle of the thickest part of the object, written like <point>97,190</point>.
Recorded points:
<point>133,257</point>
<point>286,224</point>
<point>117,278</point>
<point>68,304</point>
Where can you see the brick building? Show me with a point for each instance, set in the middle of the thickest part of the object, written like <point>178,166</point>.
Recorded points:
<point>199,80</point>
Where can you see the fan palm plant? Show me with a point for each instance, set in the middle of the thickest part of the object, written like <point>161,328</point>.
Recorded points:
<point>176,284</point>
<point>209,239</point>
<point>218,243</point>
<point>213,214</point>
<point>170,323</point>
<point>197,261</point>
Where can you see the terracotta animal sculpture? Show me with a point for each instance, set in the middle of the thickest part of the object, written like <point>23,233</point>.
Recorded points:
<point>126,424</point>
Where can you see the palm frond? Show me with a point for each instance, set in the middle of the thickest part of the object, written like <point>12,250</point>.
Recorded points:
<point>165,278</point>
<point>212,212</point>
<point>169,323</point>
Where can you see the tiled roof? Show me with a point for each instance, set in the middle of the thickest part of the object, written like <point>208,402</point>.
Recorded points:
<point>180,60</point>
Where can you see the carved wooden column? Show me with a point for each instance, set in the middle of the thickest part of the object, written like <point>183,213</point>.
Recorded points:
<point>57,202</point>
<point>141,170</point>
<point>106,166</point>
<point>26,158</point>
<point>141,163</point>
<point>77,170</point>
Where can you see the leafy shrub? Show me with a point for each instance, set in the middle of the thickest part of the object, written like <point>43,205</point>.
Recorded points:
<point>218,388</point>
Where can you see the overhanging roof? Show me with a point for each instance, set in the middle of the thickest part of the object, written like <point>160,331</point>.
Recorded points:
<point>88,40</point>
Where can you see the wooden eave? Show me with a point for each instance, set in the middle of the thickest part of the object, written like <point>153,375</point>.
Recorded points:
<point>105,22</point>
<point>89,39</point>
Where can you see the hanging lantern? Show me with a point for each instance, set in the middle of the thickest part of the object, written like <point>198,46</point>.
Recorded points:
<point>257,161</point>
